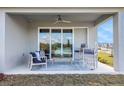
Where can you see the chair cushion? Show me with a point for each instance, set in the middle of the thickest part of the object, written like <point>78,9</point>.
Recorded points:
<point>37,61</point>
<point>33,54</point>
<point>83,45</point>
<point>43,60</point>
<point>77,51</point>
<point>42,53</point>
<point>89,51</point>
<point>37,51</point>
<point>38,55</point>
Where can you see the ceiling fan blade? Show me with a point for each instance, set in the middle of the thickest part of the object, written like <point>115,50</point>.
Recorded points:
<point>60,20</point>
<point>66,21</point>
<point>55,22</point>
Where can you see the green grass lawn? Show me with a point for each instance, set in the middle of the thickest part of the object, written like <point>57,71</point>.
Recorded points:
<point>105,58</point>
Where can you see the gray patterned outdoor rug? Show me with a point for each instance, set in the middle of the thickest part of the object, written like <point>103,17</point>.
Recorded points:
<point>62,66</point>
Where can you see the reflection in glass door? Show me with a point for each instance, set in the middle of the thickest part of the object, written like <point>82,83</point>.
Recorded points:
<point>44,39</point>
<point>67,42</point>
<point>56,43</point>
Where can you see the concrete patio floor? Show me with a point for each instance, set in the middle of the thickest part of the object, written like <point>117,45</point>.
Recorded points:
<point>62,68</point>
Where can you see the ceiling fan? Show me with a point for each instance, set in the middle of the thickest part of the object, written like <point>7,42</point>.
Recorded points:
<point>60,20</point>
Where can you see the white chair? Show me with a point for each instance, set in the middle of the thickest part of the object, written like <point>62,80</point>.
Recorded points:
<point>34,61</point>
<point>78,55</point>
<point>90,57</point>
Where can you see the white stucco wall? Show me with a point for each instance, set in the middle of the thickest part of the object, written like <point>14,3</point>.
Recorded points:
<point>16,41</point>
<point>118,27</point>
<point>80,36</point>
<point>92,36</point>
<point>2,41</point>
<point>34,31</point>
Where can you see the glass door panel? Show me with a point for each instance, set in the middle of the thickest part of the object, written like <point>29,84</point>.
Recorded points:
<point>67,42</point>
<point>44,39</point>
<point>56,42</point>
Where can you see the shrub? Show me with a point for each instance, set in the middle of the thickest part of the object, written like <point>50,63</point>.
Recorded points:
<point>105,58</point>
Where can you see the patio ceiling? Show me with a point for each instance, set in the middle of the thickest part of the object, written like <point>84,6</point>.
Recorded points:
<point>75,17</point>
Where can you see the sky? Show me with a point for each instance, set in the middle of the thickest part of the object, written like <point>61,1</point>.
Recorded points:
<point>105,32</point>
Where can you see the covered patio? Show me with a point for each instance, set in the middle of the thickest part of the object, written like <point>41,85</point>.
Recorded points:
<point>63,68</point>
<point>26,31</point>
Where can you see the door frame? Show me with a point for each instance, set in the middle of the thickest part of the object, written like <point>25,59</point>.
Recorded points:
<point>50,28</point>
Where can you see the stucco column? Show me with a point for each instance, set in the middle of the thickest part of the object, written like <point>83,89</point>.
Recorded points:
<point>118,28</point>
<point>2,41</point>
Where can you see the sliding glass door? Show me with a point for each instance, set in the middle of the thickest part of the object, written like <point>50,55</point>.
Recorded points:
<point>44,40</point>
<point>56,43</point>
<point>67,42</point>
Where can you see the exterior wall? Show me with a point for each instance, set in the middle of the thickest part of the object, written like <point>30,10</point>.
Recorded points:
<point>92,35</point>
<point>2,41</point>
<point>16,41</point>
<point>80,36</point>
<point>34,32</point>
<point>118,21</point>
